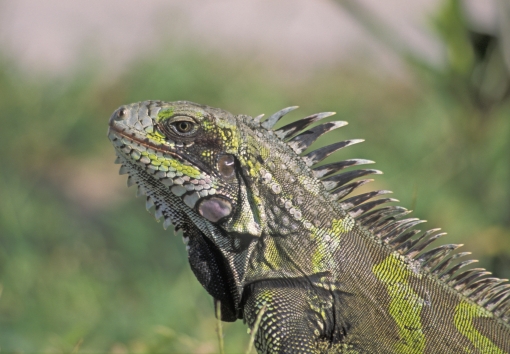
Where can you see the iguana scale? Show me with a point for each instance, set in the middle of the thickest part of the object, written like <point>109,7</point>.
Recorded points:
<point>271,234</point>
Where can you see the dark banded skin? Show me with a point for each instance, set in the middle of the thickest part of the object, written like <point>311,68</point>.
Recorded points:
<point>269,234</point>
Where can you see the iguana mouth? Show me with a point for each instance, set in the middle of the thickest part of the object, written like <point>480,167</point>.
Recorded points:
<point>145,142</point>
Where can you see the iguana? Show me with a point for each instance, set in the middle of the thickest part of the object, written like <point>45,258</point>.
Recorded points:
<point>273,235</point>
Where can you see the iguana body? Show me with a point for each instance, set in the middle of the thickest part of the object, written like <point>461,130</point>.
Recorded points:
<point>270,235</point>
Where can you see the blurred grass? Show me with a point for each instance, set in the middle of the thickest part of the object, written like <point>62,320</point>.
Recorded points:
<point>84,268</point>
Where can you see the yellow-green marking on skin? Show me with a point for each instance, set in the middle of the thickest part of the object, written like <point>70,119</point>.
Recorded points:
<point>165,114</point>
<point>272,259</point>
<point>156,136</point>
<point>463,318</point>
<point>226,132</point>
<point>319,257</point>
<point>327,242</point>
<point>342,225</point>
<point>177,165</point>
<point>405,305</point>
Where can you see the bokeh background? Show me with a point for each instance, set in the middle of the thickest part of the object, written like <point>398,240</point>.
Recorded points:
<point>84,268</point>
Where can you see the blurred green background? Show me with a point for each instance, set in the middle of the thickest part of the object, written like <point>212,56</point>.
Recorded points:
<point>84,268</point>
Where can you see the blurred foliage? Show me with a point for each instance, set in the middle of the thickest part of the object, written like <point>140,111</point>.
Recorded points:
<point>83,268</point>
<point>476,71</point>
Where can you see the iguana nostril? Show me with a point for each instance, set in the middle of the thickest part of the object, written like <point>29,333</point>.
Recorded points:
<point>120,114</point>
<point>226,166</point>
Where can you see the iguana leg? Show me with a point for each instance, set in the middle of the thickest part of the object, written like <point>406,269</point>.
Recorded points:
<point>288,324</point>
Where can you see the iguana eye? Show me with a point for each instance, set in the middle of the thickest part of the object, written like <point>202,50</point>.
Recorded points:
<point>183,126</point>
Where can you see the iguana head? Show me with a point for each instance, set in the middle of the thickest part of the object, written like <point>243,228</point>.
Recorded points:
<point>189,149</point>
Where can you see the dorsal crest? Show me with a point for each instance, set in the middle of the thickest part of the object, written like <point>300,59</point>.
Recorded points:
<point>387,223</point>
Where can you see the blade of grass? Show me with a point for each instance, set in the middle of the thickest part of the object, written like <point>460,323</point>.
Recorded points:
<point>255,329</point>
<point>219,327</point>
<point>77,346</point>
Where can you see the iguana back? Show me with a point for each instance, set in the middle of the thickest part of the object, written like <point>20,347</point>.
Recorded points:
<point>271,234</point>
